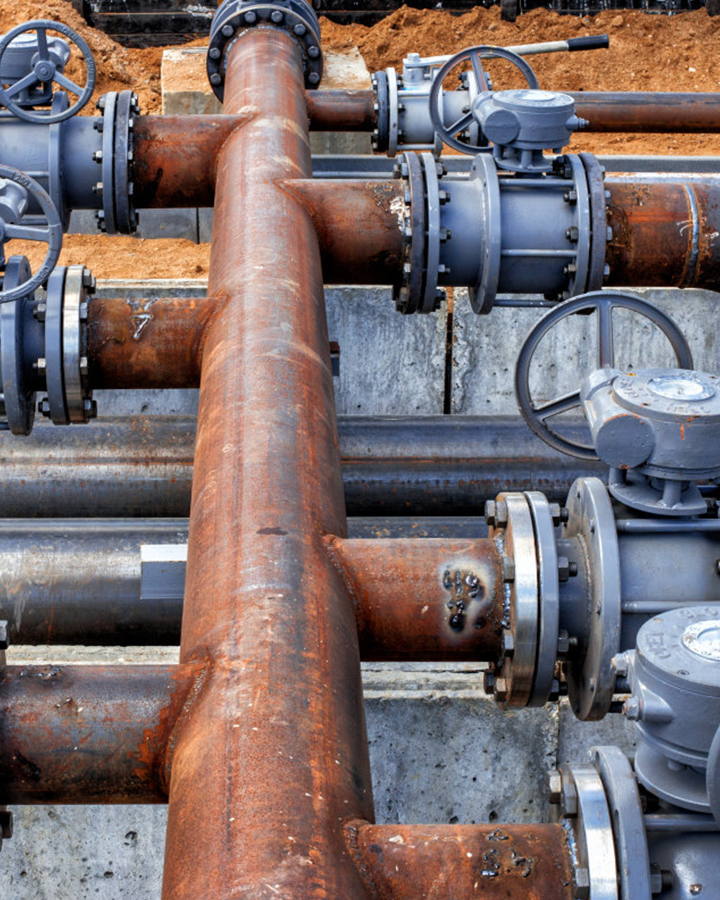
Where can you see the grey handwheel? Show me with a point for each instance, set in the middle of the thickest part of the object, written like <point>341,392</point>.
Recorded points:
<point>603,303</point>
<point>50,234</point>
<point>45,70</point>
<point>474,55</point>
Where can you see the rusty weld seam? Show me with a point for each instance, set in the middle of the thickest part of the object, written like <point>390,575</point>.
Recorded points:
<point>200,680</point>
<point>334,546</point>
<point>691,276</point>
<point>351,833</point>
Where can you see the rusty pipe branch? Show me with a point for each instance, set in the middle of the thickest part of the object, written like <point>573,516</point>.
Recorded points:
<point>430,599</point>
<point>272,756</point>
<point>89,734</point>
<point>463,862</point>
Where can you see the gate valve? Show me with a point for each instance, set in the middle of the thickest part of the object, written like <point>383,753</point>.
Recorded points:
<point>657,429</point>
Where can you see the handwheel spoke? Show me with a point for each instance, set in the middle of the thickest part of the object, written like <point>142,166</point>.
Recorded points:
<point>561,405</point>
<point>479,72</point>
<point>43,51</point>
<point>606,349</point>
<point>461,124</point>
<point>28,81</point>
<point>28,233</point>
<point>68,84</point>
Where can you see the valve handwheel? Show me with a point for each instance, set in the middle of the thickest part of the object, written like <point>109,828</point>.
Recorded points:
<point>45,70</point>
<point>603,303</point>
<point>50,234</point>
<point>474,55</point>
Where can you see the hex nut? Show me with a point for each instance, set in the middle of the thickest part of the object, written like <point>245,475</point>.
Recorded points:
<point>582,883</point>
<point>4,639</point>
<point>555,785</point>
<point>569,800</point>
<point>508,568</point>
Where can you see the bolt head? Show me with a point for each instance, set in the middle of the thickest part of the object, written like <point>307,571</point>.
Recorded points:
<point>632,709</point>
<point>299,29</point>
<point>276,16</point>
<point>215,53</point>
<point>313,78</point>
<point>501,690</point>
<point>508,644</point>
<point>227,31</point>
<point>508,569</point>
<point>3,634</point>
<point>313,52</point>
<point>582,883</point>
<point>216,78</point>
<point>40,311</point>
<point>489,681</point>
<point>250,18</point>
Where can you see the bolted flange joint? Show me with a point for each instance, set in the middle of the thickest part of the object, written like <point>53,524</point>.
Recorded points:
<point>235,17</point>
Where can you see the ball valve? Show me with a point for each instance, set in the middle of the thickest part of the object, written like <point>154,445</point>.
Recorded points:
<point>404,120</point>
<point>578,577</point>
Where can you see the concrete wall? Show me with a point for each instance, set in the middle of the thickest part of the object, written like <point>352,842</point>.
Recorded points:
<point>440,751</point>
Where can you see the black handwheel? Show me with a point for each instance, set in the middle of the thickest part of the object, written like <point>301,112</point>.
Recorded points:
<point>50,234</point>
<point>474,55</point>
<point>45,70</point>
<point>603,303</point>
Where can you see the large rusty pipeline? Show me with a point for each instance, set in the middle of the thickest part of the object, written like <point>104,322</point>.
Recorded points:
<point>89,734</point>
<point>271,757</point>
<point>463,862</point>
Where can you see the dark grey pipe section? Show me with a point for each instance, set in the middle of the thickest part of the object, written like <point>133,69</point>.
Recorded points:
<point>111,582</point>
<point>142,467</point>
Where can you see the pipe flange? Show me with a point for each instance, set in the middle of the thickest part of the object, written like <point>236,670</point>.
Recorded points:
<point>408,294</point>
<point>628,825</point>
<point>18,390</point>
<point>127,110</point>
<point>548,598</point>
<point>418,291</point>
<point>595,175</point>
<point>510,680</point>
<point>578,271</point>
<point>54,407</point>
<point>105,188</point>
<point>588,670</point>
<point>79,285</point>
<point>235,17</point>
<point>482,294</point>
<point>379,137</point>
<point>393,112</point>
<point>581,805</point>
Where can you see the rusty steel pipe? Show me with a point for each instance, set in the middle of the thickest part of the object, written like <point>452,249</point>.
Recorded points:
<point>664,234</point>
<point>648,111</point>
<point>341,110</point>
<point>463,862</point>
<point>89,734</point>
<point>430,599</point>
<point>271,756</point>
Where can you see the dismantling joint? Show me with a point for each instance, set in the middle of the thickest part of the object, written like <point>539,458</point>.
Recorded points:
<point>43,348</point>
<point>497,232</point>
<point>235,17</point>
<point>115,186</point>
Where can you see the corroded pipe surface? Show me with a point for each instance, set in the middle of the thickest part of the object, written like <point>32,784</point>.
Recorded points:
<point>463,862</point>
<point>664,234</point>
<point>341,110</point>
<point>428,599</point>
<point>360,228</point>
<point>647,111</point>
<point>146,343</point>
<point>89,734</point>
<point>272,755</point>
